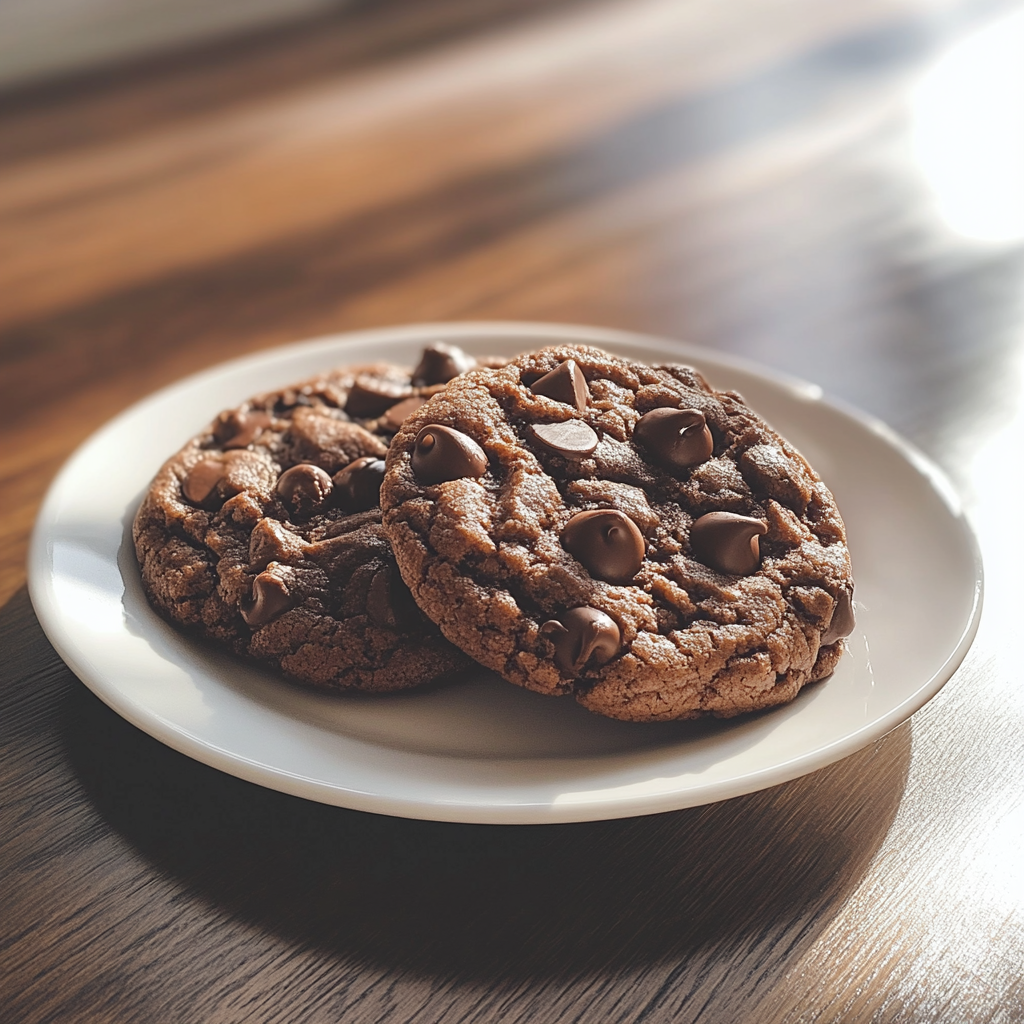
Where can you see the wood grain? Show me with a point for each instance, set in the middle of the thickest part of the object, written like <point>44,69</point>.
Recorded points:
<point>735,173</point>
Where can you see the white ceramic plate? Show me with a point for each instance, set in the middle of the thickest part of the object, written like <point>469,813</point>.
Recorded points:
<point>486,751</point>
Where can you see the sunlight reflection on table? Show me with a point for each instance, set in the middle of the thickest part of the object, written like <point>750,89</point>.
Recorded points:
<point>967,117</point>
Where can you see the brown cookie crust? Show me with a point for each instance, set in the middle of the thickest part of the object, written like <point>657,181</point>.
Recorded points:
<point>485,556</point>
<point>312,590</point>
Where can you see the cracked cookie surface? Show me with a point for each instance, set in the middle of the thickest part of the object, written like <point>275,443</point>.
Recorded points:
<point>264,534</point>
<point>588,525</point>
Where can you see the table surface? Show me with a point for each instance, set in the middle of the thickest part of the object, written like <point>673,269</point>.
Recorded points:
<point>829,189</point>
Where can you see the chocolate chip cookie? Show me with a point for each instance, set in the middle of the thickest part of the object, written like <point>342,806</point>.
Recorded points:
<point>587,525</point>
<point>264,532</point>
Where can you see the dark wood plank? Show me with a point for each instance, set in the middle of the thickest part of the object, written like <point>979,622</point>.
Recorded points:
<point>103,104</point>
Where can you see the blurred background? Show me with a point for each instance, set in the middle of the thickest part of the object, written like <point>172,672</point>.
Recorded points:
<point>44,38</point>
<point>833,189</point>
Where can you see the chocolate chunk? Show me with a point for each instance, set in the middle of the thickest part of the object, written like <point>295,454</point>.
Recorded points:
<point>389,603</point>
<point>572,439</point>
<point>201,480</point>
<point>728,542</point>
<point>357,486</point>
<point>398,414</point>
<point>442,453</point>
<point>304,488</point>
<point>677,438</point>
<point>328,442</point>
<point>222,475</point>
<point>607,542</point>
<point>370,397</point>
<point>582,636</point>
<point>235,429</point>
<point>271,542</point>
<point>565,383</point>
<point>269,599</point>
<point>290,398</point>
<point>843,619</point>
<point>440,363</point>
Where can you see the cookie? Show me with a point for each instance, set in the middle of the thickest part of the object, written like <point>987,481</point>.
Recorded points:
<point>264,532</point>
<point>587,525</point>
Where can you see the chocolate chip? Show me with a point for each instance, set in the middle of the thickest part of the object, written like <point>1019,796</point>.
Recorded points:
<point>728,542</point>
<point>607,542</point>
<point>677,438</point>
<point>572,439</point>
<point>202,478</point>
<point>370,397</point>
<point>843,619</point>
<point>582,636</point>
<point>442,453</point>
<point>304,488</point>
<point>357,486</point>
<point>269,599</point>
<point>565,383</point>
<point>440,363</point>
<point>398,414</point>
<point>239,429</point>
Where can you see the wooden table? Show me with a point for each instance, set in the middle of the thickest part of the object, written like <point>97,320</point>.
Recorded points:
<point>747,174</point>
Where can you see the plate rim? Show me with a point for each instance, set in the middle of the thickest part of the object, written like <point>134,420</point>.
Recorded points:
<point>45,603</point>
